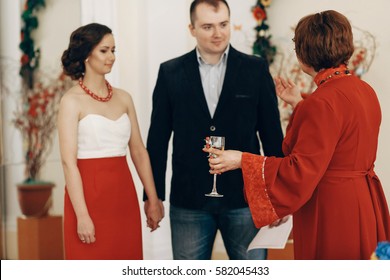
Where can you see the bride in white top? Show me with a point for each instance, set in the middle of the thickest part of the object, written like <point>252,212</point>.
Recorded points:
<point>98,121</point>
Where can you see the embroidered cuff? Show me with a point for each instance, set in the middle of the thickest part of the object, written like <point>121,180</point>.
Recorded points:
<point>253,166</point>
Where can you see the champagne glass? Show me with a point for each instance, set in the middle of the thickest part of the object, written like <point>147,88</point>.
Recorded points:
<point>216,142</point>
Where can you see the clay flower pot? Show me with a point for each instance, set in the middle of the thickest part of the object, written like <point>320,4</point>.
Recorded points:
<point>35,198</point>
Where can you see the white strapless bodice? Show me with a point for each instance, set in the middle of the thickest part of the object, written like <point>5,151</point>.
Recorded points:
<point>100,137</point>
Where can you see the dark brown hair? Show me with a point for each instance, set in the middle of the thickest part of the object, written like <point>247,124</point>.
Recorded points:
<point>214,3</point>
<point>82,41</point>
<point>324,40</point>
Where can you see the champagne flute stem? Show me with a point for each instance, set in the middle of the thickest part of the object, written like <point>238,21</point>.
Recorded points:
<point>215,183</point>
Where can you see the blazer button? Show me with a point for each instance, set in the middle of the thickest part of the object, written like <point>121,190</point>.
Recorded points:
<point>212,128</point>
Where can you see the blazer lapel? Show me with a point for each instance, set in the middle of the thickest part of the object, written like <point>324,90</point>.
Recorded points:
<point>193,77</point>
<point>232,69</point>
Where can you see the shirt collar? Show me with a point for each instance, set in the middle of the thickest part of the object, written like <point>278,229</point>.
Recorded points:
<point>223,59</point>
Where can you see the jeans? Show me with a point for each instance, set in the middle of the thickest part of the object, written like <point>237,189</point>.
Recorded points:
<point>193,233</point>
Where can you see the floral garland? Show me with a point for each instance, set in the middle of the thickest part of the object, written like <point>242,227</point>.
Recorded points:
<point>30,57</point>
<point>262,45</point>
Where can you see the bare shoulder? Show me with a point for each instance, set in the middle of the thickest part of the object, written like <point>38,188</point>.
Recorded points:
<point>122,93</point>
<point>72,98</point>
<point>126,100</point>
<point>124,96</point>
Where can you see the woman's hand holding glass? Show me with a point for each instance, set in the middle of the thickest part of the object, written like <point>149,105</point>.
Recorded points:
<point>223,160</point>
<point>216,142</point>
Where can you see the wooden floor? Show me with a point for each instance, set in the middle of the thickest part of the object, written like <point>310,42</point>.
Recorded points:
<point>282,254</point>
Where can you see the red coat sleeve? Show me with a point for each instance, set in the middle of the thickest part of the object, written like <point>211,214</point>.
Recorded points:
<point>256,191</point>
<point>276,187</point>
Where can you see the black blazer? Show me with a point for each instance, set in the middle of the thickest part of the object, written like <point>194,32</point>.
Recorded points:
<point>247,106</point>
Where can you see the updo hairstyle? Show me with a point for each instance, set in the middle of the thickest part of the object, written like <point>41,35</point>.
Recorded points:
<point>82,41</point>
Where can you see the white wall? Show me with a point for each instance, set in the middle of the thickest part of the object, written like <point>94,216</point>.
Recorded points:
<point>13,158</point>
<point>56,21</point>
<point>152,31</point>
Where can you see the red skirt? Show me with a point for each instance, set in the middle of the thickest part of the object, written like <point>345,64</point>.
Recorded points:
<point>112,203</point>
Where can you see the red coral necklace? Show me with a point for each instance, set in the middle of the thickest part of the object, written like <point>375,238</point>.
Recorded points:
<point>95,96</point>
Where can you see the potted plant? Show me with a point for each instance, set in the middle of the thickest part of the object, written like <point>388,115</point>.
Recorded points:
<point>35,117</point>
<point>36,121</point>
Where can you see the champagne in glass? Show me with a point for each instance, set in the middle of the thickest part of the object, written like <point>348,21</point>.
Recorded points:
<point>216,142</point>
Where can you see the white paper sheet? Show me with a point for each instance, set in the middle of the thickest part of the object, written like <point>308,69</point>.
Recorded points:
<point>272,238</point>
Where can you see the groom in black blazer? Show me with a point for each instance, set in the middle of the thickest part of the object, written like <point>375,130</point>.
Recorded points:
<point>246,111</point>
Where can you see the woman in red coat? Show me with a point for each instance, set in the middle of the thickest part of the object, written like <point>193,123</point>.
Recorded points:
<point>326,179</point>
